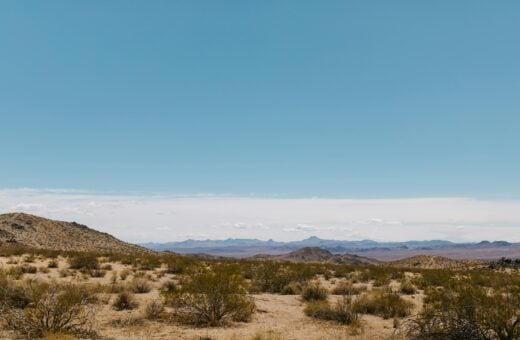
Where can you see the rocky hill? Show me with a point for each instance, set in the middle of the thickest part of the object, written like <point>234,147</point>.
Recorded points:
<point>38,232</point>
<point>316,254</point>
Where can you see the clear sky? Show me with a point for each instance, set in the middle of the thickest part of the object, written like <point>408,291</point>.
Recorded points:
<point>291,99</point>
<point>296,98</point>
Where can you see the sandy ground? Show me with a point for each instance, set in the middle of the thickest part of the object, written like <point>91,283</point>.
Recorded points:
<point>277,316</point>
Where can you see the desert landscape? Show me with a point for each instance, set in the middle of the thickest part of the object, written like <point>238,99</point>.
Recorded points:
<point>109,289</point>
<point>259,170</point>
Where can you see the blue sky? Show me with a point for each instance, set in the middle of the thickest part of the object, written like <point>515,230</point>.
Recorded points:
<point>289,98</point>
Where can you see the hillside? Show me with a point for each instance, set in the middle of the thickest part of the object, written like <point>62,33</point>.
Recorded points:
<point>434,262</point>
<point>38,232</point>
<point>316,254</point>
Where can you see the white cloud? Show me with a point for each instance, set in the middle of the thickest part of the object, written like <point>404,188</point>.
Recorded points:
<point>162,218</point>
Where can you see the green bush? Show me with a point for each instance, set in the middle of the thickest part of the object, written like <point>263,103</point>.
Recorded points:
<point>211,299</point>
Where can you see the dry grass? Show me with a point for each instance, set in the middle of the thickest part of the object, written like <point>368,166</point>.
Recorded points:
<point>277,316</point>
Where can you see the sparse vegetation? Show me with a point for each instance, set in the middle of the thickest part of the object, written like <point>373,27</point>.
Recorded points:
<point>211,299</point>
<point>216,292</point>
<point>465,310</point>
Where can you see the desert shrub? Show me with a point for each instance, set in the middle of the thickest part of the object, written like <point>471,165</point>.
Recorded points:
<point>343,271</point>
<point>293,288</point>
<point>347,288</point>
<point>343,311</point>
<point>465,310</point>
<point>107,267</point>
<point>84,261</point>
<point>314,292</point>
<point>175,266</point>
<point>273,277</point>
<point>140,286</point>
<point>408,288</point>
<point>124,301</point>
<point>113,277</point>
<point>433,278</point>
<point>169,287</point>
<point>115,288</point>
<point>383,303</point>
<point>211,298</point>
<point>44,270</point>
<point>147,262</point>
<point>14,273</point>
<point>65,273</point>
<point>29,258</point>
<point>97,273</point>
<point>154,309</point>
<point>124,274</point>
<point>127,321</point>
<point>52,308</point>
<point>11,295</point>
<point>12,261</point>
<point>29,269</point>
<point>52,264</point>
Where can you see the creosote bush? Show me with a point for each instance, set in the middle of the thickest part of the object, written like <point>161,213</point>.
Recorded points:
<point>466,310</point>
<point>211,299</point>
<point>38,308</point>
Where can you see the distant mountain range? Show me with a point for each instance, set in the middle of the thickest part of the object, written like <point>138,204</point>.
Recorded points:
<point>379,250</point>
<point>313,241</point>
